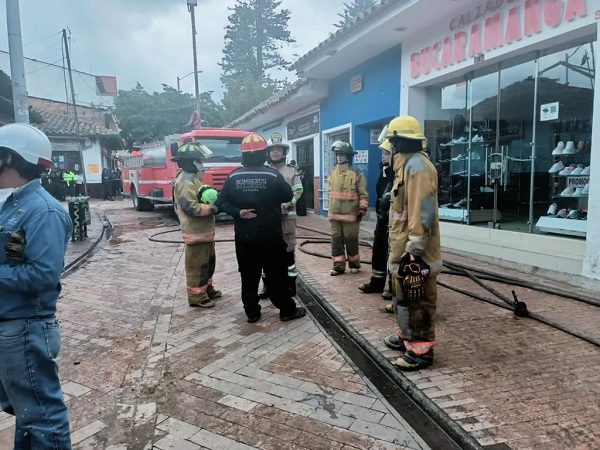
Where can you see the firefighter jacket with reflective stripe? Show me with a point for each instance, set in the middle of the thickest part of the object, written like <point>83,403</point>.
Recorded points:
<point>292,177</point>
<point>347,193</point>
<point>414,222</point>
<point>196,219</point>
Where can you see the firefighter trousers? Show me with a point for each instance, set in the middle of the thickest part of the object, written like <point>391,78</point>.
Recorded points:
<point>200,261</point>
<point>380,255</point>
<point>270,257</point>
<point>344,244</point>
<point>416,319</point>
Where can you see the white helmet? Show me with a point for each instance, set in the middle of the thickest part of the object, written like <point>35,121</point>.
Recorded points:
<point>28,142</point>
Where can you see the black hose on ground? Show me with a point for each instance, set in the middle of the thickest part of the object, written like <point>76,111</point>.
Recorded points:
<point>70,268</point>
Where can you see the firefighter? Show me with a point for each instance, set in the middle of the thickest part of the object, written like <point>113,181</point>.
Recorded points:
<point>253,195</point>
<point>197,225</point>
<point>276,154</point>
<point>380,242</point>
<point>348,201</point>
<point>415,255</point>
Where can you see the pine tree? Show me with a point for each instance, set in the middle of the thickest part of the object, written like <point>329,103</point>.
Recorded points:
<point>351,11</point>
<point>256,33</point>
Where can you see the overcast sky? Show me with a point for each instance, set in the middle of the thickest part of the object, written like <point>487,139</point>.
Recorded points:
<point>143,40</point>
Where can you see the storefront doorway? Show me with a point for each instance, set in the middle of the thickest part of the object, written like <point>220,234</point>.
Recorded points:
<point>512,143</point>
<point>341,133</point>
<point>305,159</point>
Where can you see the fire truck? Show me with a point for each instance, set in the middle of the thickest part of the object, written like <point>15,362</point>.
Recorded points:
<point>149,174</point>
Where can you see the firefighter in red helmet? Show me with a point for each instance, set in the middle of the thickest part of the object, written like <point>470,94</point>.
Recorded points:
<point>253,195</point>
<point>197,225</point>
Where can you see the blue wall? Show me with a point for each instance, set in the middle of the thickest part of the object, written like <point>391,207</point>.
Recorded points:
<point>373,107</point>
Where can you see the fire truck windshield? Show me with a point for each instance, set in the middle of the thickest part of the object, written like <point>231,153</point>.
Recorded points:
<point>223,148</point>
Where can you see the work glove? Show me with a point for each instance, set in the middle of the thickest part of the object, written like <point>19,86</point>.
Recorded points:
<point>413,271</point>
<point>15,247</point>
<point>360,214</point>
<point>215,209</point>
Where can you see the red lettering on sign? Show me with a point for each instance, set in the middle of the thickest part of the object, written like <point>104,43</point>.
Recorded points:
<point>435,56</point>
<point>425,61</point>
<point>460,44</point>
<point>447,53</point>
<point>533,24</point>
<point>553,12</point>
<point>598,15</point>
<point>492,38</point>
<point>415,70</point>
<point>474,42</point>
<point>575,8</point>
<point>513,28</point>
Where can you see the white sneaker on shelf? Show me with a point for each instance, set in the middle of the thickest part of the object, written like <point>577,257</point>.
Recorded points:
<point>559,149</point>
<point>585,191</point>
<point>586,171</point>
<point>573,214</point>
<point>477,139</point>
<point>461,204</point>
<point>460,140</point>
<point>556,167</point>
<point>577,170</point>
<point>578,192</point>
<point>460,157</point>
<point>568,192</point>
<point>567,171</point>
<point>552,209</point>
<point>486,189</point>
<point>562,213</point>
<point>569,148</point>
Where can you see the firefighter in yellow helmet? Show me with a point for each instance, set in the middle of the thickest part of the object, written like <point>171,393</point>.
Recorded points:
<point>348,201</point>
<point>382,208</point>
<point>197,225</point>
<point>415,255</point>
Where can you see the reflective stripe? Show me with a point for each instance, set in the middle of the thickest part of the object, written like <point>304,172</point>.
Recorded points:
<point>354,258</point>
<point>343,195</point>
<point>194,290</point>
<point>341,258</point>
<point>209,236</point>
<point>297,187</point>
<point>342,217</point>
<point>363,204</point>
<point>398,217</point>
<point>379,273</point>
<point>205,210</point>
<point>418,348</point>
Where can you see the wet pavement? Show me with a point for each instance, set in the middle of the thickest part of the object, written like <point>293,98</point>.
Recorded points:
<point>140,369</point>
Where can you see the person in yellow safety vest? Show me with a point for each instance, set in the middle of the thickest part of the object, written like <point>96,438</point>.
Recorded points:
<point>69,179</point>
<point>276,154</point>
<point>348,201</point>
<point>197,225</point>
<point>415,254</point>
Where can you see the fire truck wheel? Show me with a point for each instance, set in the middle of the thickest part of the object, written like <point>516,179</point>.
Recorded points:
<point>140,204</point>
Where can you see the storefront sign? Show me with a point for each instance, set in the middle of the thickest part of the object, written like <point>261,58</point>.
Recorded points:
<point>374,136</point>
<point>356,84</point>
<point>304,126</point>
<point>64,145</point>
<point>578,181</point>
<point>490,26</point>
<point>549,111</point>
<point>93,168</point>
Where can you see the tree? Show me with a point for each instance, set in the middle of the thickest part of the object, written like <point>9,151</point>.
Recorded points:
<point>7,109</point>
<point>353,10</point>
<point>256,33</point>
<point>145,117</point>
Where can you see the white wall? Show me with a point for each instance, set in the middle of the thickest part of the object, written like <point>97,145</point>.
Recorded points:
<point>591,263</point>
<point>93,156</point>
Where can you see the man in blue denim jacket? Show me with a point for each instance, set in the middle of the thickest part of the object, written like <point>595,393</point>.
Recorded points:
<point>34,233</point>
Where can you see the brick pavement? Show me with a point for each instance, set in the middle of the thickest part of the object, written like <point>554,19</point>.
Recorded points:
<point>503,379</point>
<point>141,369</point>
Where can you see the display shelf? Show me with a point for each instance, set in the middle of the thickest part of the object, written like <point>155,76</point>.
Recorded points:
<point>464,216</point>
<point>569,227</point>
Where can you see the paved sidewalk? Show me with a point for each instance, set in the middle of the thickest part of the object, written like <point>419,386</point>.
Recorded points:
<point>141,369</point>
<point>503,379</point>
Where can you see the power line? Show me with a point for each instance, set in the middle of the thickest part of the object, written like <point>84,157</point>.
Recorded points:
<point>43,39</point>
<point>51,64</point>
<point>44,67</point>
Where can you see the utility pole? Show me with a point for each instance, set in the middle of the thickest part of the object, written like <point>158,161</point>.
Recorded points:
<point>191,7</point>
<point>178,88</point>
<point>64,32</point>
<point>17,63</point>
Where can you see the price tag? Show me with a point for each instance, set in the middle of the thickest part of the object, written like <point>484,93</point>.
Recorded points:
<point>578,181</point>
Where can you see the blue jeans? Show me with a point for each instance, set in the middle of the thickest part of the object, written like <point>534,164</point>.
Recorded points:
<point>29,385</point>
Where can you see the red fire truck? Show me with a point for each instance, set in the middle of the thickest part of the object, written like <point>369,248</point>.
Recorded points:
<point>149,174</point>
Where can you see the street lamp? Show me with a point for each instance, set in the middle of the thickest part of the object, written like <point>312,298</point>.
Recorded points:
<point>185,76</point>
<point>191,4</point>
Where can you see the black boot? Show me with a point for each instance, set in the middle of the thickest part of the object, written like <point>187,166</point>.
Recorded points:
<point>292,286</point>
<point>265,292</point>
<point>375,285</point>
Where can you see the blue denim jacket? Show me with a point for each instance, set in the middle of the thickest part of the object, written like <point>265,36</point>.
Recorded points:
<point>30,288</point>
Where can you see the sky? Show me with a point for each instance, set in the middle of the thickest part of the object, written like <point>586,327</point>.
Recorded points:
<point>145,41</point>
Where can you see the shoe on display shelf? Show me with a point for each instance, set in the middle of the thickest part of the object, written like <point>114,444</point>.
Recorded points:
<point>486,189</point>
<point>559,149</point>
<point>478,139</point>
<point>578,192</point>
<point>552,209</point>
<point>569,148</point>
<point>586,171</point>
<point>562,213</point>
<point>556,167</point>
<point>577,170</point>
<point>573,214</point>
<point>567,170</point>
<point>585,191</point>
<point>460,157</point>
<point>460,140</point>
<point>461,204</point>
<point>583,215</point>
<point>568,191</point>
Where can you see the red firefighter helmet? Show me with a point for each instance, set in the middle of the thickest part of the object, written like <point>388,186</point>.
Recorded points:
<point>254,142</point>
